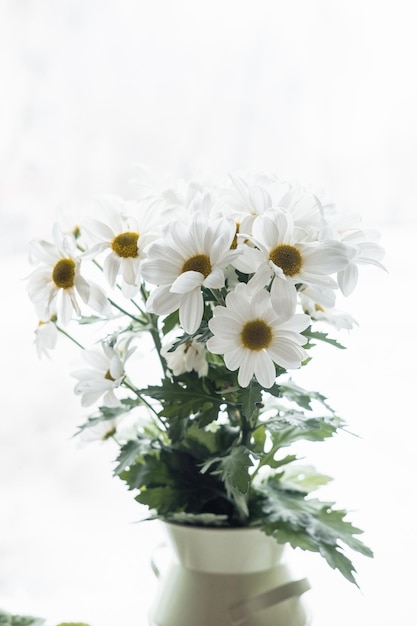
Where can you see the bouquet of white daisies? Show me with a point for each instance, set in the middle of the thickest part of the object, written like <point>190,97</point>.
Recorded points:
<point>191,305</point>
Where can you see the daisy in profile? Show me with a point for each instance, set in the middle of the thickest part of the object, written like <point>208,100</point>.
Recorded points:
<point>123,238</point>
<point>189,257</point>
<point>187,357</point>
<point>57,284</point>
<point>252,337</point>
<point>104,376</point>
<point>284,255</point>
<point>46,336</point>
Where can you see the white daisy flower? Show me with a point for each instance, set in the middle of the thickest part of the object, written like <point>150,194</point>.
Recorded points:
<point>252,196</point>
<point>187,357</point>
<point>252,337</point>
<point>188,258</point>
<point>104,376</point>
<point>102,431</point>
<point>56,285</point>
<point>321,308</point>
<point>46,336</point>
<point>363,245</point>
<point>284,255</point>
<point>124,238</point>
<point>365,253</point>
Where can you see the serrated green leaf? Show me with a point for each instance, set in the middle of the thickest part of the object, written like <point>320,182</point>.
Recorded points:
<point>204,438</point>
<point>311,525</point>
<point>303,478</point>
<point>170,322</point>
<point>321,336</point>
<point>250,398</point>
<point>130,452</point>
<point>233,469</point>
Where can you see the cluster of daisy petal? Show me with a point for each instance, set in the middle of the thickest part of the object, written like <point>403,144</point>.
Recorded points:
<point>247,265</point>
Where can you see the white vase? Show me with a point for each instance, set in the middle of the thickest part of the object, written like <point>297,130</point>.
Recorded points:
<point>227,577</point>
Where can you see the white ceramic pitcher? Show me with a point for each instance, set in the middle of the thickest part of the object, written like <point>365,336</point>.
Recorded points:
<point>227,577</point>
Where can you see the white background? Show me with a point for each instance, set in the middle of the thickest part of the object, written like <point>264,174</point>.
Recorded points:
<point>319,91</point>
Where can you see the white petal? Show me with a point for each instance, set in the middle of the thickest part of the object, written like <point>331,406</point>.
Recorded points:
<point>65,306</point>
<point>371,250</point>
<point>98,300</point>
<point>187,281</point>
<point>287,354</point>
<point>326,258</point>
<point>191,310</point>
<point>261,278</point>
<point>110,400</point>
<point>219,345</point>
<point>284,298</point>
<point>259,198</point>
<point>297,323</point>
<point>224,326</point>
<point>83,288</point>
<point>264,369</point>
<point>247,368</point>
<point>130,268</point>
<point>266,232</point>
<point>98,228</point>
<point>347,279</point>
<point>233,358</point>
<point>111,268</point>
<point>215,280</point>
<point>219,238</point>
<point>159,271</point>
<point>97,360</point>
<point>162,301</point>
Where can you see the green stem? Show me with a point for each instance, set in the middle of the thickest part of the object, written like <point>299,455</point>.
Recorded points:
<point>122,310</point>
<point>130,386</point>
<point>64,332</point>
<point>219,299</point>
<point>153,321</point>
<point>245,430</point>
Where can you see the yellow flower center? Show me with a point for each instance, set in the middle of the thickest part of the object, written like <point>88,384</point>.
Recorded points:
<point>256,335</point>
<point>108,376</point>
<point>63,273</point>
<point>234,242</point>
<point>109,433</point>
<point>125,245</point>
<point>287,258</point>
<point>198,263</point>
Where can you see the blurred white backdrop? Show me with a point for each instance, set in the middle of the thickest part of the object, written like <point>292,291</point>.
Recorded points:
<point>312,90</point>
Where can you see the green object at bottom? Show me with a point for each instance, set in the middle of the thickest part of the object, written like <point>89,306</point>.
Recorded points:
<point>73,624</point>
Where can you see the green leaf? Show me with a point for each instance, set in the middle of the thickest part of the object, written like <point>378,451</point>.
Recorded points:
<point>170,322</point>
<point>316,429</point>
<point>130,452</point>
<point>321,336</point>
<point>198,519</point>
<point>170,481</point>
<point>269,459</point>
<point>302,397</point>
<point>108,413</point>
<point>185,396</point>
<point>233,469</point>
<point>310,525</point>
<point>303,478</point>
<point>250,398</point>
<point>198,439</point>
<point>7,619</point>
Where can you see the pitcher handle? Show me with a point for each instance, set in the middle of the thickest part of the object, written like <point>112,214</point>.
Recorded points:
<point>240,612</point>
<point>153,560</point>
